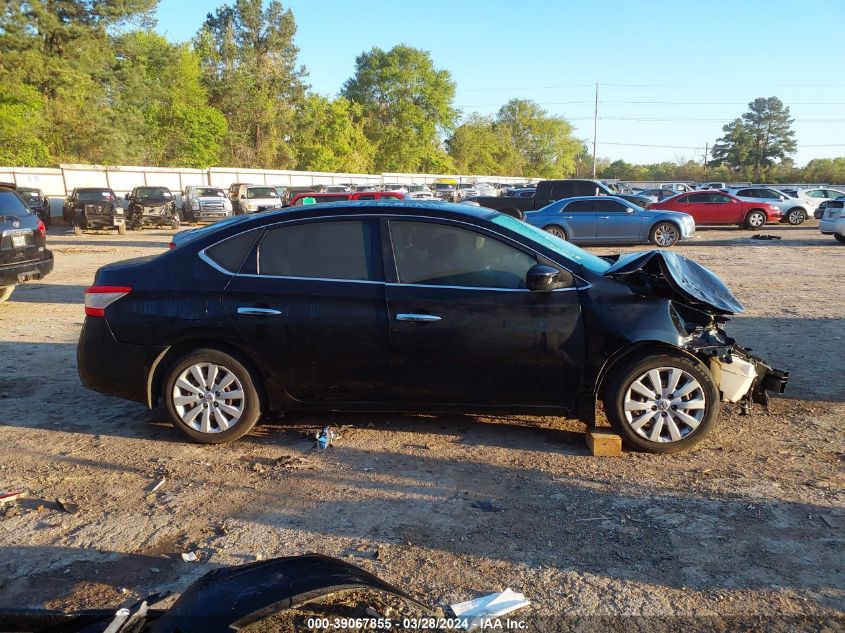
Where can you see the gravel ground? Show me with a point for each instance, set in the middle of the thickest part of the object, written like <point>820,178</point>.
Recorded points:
<point>449,508</point>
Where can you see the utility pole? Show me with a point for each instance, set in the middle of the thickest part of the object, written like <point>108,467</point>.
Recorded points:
<point>595,128</point>
<point>706,151</point>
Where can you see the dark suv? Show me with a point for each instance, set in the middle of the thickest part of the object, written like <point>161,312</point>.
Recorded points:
<point>23,244</point>
<point>37,203</point>
<point>93,208</point>
<point>151,206</point>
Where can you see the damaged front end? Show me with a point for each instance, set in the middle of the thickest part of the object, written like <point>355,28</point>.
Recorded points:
<point>699,301</point>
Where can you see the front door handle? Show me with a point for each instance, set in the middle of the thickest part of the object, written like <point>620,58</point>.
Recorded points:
<point>417,318</point>
<point>604,217</point>
<point>259,311</point>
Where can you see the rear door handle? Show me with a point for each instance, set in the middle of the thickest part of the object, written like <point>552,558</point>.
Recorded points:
<point>417,318</point>
<point>604,217</point>
<point>259,311</point>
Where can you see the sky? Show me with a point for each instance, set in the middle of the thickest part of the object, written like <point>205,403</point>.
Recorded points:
<point>670,73</point>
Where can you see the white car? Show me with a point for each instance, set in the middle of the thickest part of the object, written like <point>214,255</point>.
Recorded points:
<point>256,198</point>
<point>420,192</point>
<point>337,189</point>
<point>814,196</point>
<point>395,187</point>
<point>201,203</point>
<point>833,220</point>
<point>795,210</point>
<point>467,190</point>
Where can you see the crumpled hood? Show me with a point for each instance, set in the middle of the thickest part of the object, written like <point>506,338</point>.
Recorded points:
<point>687,278</point>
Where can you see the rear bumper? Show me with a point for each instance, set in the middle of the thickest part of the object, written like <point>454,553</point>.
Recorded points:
<point>18,273</point>
<point>111,367</point>
<point>829,227</point>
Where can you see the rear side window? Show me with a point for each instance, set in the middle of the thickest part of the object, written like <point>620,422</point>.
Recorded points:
<point>563,190</point>
<point>720,198</point>
<point>12,205</point>
<point>611,206</point>
<point>329,250</point>
<point>581,206</point>
<point>231,253</point>
<point>696,198</point>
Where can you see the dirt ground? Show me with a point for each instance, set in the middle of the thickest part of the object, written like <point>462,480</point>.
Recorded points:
<point>448,508</point>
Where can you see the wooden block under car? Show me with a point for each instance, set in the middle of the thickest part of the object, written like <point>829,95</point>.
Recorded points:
<point>604,443</point>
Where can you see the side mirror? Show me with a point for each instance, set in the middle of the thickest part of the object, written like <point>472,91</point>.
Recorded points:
<point>541,278</point>
<point>126,196</point>
<point>629,210</point>
<point>243,196</point>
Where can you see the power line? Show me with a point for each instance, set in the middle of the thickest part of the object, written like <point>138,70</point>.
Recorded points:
<point>683,103</point>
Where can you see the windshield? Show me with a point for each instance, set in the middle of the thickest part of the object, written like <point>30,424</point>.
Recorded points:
<point>153,192</point>
<point>94,196</point>
<point>442,185</point>
<point>210,192</point>
<point>567,249</point>
<point>262,192</point>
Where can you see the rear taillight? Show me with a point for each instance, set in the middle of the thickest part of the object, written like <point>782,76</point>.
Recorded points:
<point>172,245</point>
<point>98,298</point>
<point>42,230</point>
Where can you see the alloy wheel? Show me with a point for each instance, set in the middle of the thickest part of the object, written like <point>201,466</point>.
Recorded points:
<point>208,398</point>
<point>665,235</point>
<point>756,220</point>
<point>665,404</point>
<point>556,231</point>
<point>795,217</point>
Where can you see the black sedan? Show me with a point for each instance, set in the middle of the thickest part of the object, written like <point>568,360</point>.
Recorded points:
<point>23,244</point>
<point>415,306</point>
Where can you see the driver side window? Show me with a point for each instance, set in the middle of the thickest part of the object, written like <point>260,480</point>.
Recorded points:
<point>429,253</point>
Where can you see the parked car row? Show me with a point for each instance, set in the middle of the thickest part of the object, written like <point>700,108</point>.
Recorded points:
<point>23,242</point>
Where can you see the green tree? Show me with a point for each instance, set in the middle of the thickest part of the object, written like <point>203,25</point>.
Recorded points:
<point>754,142</point>
<point>479,146</point>
<point>330,137</point>
<point>62,48</point>
<point>249,63</point>
<point>406,107</point>
<point>545,143</point>
<point>21,119</point>
<point>163,105</point>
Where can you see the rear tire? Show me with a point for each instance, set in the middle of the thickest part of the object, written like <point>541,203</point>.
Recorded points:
<point>839,238</point>
<point>755,220</point>
<point>5,293</point>
<point>796,216</point>
<point>226,411</point>
<point>557,231</point>
<point>664,234</point>
<point>670,421</point>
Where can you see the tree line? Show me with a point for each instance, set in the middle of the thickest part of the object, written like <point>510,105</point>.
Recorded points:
<point>90,81</point>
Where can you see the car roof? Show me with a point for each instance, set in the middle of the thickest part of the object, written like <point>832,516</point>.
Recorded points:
<point>93,189</point>
<point>570,199</point>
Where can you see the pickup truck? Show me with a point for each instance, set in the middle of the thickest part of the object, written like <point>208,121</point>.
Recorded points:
<point>548,191</point>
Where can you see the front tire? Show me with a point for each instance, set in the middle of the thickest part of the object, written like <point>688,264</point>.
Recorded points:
<point>755,220</point>
<point>839,238</point>
<point>554,229</point>
<point>796,216</point>
<point>5,293</point>
<point>211,397</point>
<point>664,234</point>
<point>662,404</point>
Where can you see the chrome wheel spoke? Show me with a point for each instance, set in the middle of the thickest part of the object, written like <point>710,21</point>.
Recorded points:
<point>225,408</point>
<point>641,389</point>
<point>698,403</point>
<point>642,420</point>
<point>674,377</point>
<point>691,386</point>
<point>232,395</point>
<point>196,372</point>
<point>633,405</point>
<point>687,419</point>
<point>192,414</point>
<point>674,433</point>
<point>227,380</point>
<point>222,422</point>
<point>206,421</point>
<point>184,384</point>
<point>181,401</point>
<point>654,378</point>
<point>654,436</point>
